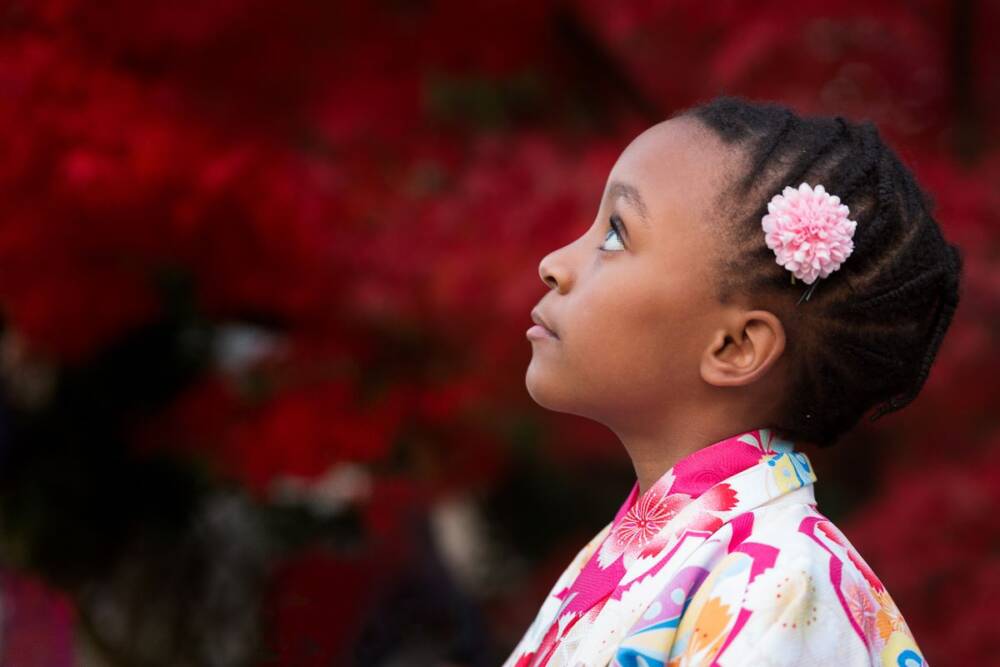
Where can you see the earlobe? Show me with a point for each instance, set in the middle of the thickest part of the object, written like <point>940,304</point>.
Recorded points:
<point>744,352</point>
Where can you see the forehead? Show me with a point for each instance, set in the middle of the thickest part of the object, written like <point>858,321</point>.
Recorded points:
<point>678,166</point>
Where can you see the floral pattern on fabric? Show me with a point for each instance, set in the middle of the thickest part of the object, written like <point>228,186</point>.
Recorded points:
<point>725,560</point>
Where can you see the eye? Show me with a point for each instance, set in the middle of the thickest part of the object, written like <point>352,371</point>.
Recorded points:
<point>614,230</point>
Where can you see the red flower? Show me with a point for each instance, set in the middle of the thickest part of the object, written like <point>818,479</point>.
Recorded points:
<point>646,518</point>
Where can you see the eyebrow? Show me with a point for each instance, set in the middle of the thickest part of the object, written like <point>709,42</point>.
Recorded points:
<point>631,194</point>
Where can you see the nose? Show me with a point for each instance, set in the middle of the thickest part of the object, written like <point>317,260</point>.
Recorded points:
<point>555,272</point>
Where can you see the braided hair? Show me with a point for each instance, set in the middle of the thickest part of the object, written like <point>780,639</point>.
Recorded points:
<point>868,335</point>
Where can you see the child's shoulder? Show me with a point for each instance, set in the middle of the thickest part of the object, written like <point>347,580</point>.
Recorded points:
<point>793,524</point>
<point>805,574</point>
<point>797,536</point>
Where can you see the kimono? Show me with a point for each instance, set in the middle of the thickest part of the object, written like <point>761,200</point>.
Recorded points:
<point>725,560</point>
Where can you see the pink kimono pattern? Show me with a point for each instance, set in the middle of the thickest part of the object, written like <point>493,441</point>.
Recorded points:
<point>726,561</point>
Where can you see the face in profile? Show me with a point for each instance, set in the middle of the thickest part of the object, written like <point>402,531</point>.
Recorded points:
<point>631,300</point>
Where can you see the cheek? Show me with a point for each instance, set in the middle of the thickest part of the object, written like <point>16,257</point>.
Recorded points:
<point>631,335</point>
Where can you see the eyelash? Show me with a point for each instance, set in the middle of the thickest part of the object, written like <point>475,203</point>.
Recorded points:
<point>614,225</point>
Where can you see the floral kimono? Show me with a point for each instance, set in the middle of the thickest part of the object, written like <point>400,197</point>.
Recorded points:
<point>726,561</point>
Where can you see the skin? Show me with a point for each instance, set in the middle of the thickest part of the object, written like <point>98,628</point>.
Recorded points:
<point>644,346</point>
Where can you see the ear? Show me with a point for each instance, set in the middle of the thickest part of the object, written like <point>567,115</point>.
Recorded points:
<point>744,350</point>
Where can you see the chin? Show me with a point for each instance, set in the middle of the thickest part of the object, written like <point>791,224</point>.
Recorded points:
<point>547,391</point>
<point>538,385</point>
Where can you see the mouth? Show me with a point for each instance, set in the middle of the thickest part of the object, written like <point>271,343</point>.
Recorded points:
<point>541,330</point>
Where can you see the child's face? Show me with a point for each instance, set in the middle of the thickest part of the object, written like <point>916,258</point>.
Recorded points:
<point>634,320</point>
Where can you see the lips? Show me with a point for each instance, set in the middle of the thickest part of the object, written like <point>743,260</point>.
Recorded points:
<point>537,318</point>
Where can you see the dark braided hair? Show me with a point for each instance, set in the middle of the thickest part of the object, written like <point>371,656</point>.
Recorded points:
<point>869,333</point>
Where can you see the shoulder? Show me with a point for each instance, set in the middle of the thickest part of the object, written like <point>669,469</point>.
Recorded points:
<point>793,590</point>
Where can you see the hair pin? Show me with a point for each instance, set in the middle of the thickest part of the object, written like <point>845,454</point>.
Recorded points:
<point>810,233</point>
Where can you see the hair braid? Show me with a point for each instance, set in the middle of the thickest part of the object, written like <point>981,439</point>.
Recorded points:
<point>942,320</point>
<point>870,334</point>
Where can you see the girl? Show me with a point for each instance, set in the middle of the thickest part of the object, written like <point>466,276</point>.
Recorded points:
<point>754,280</point>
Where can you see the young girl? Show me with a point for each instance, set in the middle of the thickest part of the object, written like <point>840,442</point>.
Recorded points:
<point>754,280</point>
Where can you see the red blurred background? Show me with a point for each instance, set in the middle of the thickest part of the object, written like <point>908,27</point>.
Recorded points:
<point>265,270</point>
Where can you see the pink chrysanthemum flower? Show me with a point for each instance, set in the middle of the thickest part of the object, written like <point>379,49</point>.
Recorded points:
<point>809,231</point>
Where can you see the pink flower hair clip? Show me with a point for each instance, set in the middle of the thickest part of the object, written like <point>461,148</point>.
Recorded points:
<point>809,232</point>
